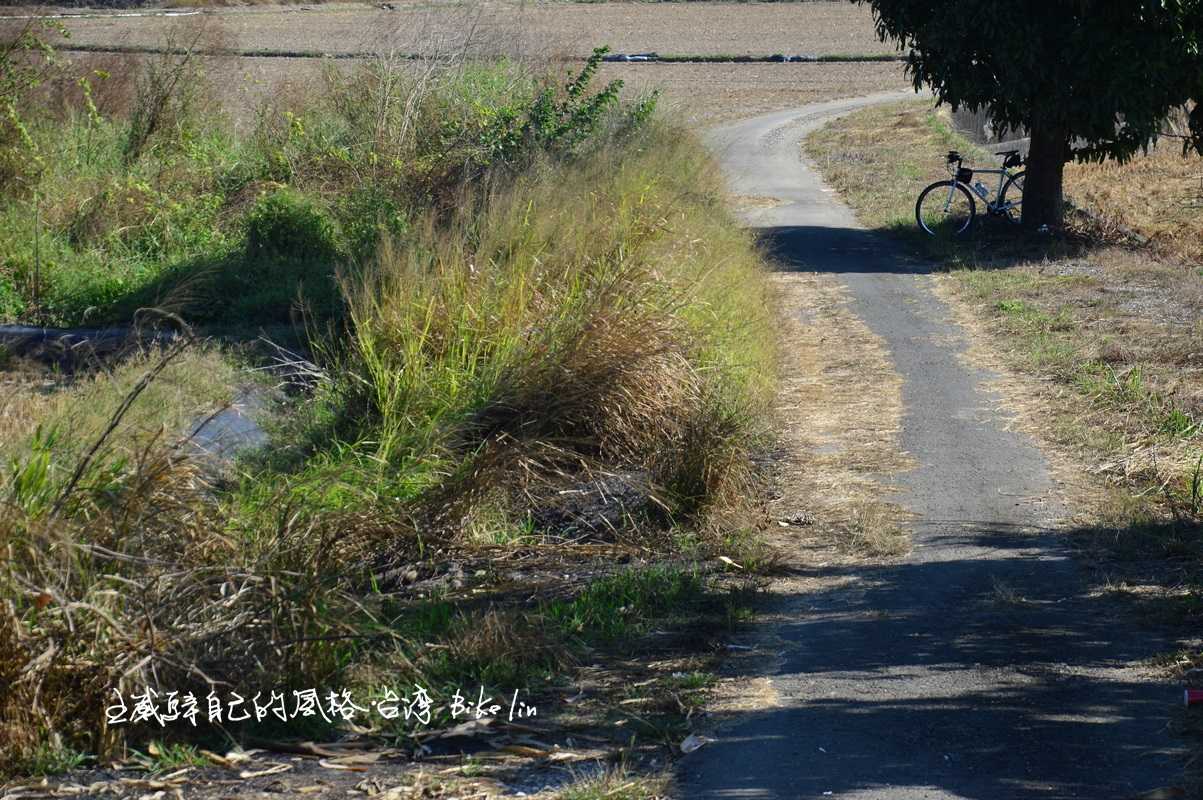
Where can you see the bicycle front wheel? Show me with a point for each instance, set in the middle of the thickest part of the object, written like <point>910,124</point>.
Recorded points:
<point>945,209</point>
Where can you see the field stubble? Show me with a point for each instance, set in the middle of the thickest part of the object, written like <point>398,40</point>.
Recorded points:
<point>535,34</point>
<point>542,29</point>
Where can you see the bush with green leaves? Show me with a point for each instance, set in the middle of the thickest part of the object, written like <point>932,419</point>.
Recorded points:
<point>560,125</point>
<point>151,206</point>
<point>284,226</point>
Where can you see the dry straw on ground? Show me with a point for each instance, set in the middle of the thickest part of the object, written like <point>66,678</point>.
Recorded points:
<point>840,412</point>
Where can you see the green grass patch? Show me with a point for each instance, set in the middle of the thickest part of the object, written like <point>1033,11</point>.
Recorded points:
<point>160,757</point>
<point>622,605</point>
<point>48,760</point>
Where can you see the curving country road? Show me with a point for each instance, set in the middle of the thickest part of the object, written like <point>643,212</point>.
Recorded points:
<point>899,680</point>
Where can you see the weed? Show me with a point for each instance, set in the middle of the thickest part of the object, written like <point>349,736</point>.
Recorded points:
<point>50,759</point>
<point>565,124</point>
<point>691,681</point>
<point>148,208</point>
<point>614,784</point>
<point>621,605</point>
<point>472,767</point>
<point>27,59</point>
<point>166,757</point>
<point>166,102</point>
<point>874,530</point>
<point>1185,496</point>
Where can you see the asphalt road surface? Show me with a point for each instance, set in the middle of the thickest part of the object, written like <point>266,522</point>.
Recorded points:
<point>913,680</point>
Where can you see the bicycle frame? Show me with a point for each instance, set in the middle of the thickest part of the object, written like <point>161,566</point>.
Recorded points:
<point>1003,175</point>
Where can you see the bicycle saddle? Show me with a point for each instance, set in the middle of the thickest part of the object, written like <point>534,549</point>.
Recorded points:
<point>1010,158</point>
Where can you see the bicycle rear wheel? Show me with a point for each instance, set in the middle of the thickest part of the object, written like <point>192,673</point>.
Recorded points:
<point>945,210</point>
<point>1010,199</point>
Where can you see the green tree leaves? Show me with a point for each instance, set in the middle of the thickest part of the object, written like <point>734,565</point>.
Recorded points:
<point>1091,79</point>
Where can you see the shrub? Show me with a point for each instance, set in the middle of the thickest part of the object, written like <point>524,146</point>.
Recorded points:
<point>561,125</point>
<point>170,92</point>
<point>286,226</point>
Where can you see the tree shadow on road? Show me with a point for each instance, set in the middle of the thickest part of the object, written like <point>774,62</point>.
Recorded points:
<point>904,250</point>
<point>999,673</point>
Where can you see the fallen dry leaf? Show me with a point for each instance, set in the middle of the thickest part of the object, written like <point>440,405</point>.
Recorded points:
<point>362,758</point>
<point>302,748</point>
<point>523,750</point>
<point>591,738</point>
<point>230,760</point>
<point>693,742</point>
<point>247,774</point>
<point>332,764</point>
<point>533,742</point>
<point>472,727</point>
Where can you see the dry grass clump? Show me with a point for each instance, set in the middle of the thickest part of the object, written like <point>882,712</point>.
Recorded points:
<point>873,529</point>
<point>1158,195</point>
<point>123,569</point>
<point>598,314</point>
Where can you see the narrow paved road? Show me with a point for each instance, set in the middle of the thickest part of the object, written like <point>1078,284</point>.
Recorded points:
<point>912,680</point>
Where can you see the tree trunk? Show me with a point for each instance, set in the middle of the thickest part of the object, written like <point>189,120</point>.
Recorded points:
<point>1043,202</point>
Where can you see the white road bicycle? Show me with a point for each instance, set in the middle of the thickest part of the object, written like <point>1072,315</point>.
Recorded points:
<point>948,208</point>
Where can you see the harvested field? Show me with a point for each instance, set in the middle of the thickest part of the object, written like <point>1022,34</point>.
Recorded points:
<point>550,28</point>
<point>1158,195</point>
<point>711,94</point>
<point>703,94</point>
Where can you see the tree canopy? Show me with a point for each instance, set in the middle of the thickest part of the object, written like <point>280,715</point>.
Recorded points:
<point>1089,79</point>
